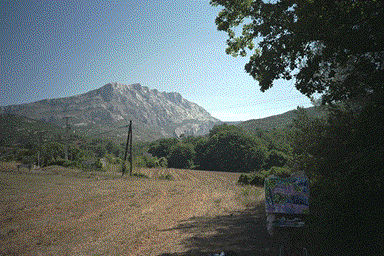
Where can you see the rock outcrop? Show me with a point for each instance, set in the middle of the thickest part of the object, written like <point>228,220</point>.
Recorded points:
<point>155,114</point>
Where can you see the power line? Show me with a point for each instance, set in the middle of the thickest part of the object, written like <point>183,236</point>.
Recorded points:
<point>98,134</point>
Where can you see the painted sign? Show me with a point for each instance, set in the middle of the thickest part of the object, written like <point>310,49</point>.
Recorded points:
<point>287,195</point>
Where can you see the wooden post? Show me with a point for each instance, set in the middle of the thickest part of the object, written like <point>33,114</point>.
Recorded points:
<point>130,149</point>
<point>126,149</point>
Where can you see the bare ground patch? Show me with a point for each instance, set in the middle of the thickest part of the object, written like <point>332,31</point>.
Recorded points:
<point>62,211</point>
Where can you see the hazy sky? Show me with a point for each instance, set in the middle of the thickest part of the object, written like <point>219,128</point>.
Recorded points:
<point>52,49</point>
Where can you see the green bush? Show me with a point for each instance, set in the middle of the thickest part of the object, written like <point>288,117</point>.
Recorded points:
<point>278,171</point>
<point>257,178</point>
<point>245,179</point>
<point>140,175</point>
<point>166,177</point>
<point>162,162</point>
<point>99,165</point>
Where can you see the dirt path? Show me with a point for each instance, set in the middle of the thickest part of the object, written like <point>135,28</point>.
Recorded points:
<point>59,211</point>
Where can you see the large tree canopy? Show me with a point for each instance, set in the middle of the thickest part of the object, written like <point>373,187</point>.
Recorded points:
<point>332,47</point>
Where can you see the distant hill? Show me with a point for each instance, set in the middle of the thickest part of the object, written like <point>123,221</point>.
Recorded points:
<point>154,114</point>
<point>15,130</point>
<point>277,121</point>
<point>232,122</point>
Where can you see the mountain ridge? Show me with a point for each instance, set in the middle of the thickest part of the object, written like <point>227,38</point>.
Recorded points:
<point>279,121</point>
<point>156,114</point>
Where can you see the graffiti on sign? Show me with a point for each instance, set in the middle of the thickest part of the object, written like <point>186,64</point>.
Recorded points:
<point>287,195</point>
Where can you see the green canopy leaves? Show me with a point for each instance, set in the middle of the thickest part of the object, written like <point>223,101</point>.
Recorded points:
<point>335,48</point>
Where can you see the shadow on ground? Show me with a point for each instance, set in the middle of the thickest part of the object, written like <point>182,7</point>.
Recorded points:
<point>240,233</point>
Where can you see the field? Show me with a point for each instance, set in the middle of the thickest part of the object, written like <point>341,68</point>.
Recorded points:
<point>60,211</point>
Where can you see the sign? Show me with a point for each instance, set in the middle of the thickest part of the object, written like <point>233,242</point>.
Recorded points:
<point>287,195</point>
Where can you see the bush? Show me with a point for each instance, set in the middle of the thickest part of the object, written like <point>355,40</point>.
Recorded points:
<point>245,179</point>
<point>166,177</point>
<point>278,171</point>
<point>276,158</point>
<point>150,161</point>
<point>140,175</point>
<point>181,156</point>
<point>162,162</point>
<point>257,178</point>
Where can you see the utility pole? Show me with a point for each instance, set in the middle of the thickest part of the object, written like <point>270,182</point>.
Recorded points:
<point>129,144</point>
<point>130,150</point>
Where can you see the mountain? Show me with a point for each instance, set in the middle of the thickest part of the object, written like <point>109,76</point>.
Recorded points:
<point>278,121</point>
<point>15,130</point>
<point>154,114</point>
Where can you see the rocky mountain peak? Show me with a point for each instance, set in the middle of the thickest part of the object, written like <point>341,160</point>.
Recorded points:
<point>113,104</point>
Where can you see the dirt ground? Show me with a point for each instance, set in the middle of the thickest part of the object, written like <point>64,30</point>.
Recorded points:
<point>60,211</point>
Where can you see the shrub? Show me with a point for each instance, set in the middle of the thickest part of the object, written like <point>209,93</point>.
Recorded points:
<point>278,171</point>
<point>140,175</point>
<point>276,158</point>
<point>162,162</point>
<point>245,179</point>
<point>257,178</point>
<point>166,177</point>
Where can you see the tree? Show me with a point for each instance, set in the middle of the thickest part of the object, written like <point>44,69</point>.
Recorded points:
<point>342,155</point>
<point>181,156</point>
<point>100,150</point>
<point>275,158</point>
<point>229,149</point>
<point>335,48</point>
<point>112,148</point>
<point>162,147</point>
<point>52,151</point>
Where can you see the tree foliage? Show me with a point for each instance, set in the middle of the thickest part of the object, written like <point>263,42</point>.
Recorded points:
<point>342,155</point>
<point>335,48</point>
<point>229,149</point>
<point>162,147</point>
<point>181,156</point>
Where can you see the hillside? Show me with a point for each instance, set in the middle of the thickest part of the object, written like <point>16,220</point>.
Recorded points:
<point>15,129</point>
<point>277,121</point>
<point>154,114</point>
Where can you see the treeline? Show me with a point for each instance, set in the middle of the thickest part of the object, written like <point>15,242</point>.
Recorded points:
<point>343,155</point>
<point>49,149</point>
<point>227,148</point>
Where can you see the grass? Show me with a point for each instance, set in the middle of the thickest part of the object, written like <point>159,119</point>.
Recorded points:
<point>249,196</point>
<point>140,175</point>
<point>165,177</point>
<point>217,201</point>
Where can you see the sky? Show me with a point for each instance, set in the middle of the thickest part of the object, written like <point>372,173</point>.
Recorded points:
<point>54,49</point>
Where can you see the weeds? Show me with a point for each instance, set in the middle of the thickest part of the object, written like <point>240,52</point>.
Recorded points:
<point>165,177</point>
<point>140,175</point>
<point>249,196</point>
<point>217,201</point>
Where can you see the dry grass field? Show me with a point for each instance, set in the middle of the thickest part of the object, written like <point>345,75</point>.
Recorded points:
<point>60,211</point>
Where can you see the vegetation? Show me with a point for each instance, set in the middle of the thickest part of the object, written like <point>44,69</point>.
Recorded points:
<point>227,148</point>
<point>279,121</point>
<point>330,47</point>
<point>165,177</point>
<point>333,49</point>
<point>181,156</point>
<point>257,178</point>
<point>140,175</point>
